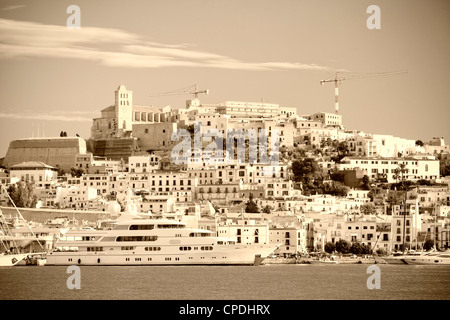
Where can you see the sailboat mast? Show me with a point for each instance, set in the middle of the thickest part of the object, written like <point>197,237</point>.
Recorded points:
<point>20,215</point>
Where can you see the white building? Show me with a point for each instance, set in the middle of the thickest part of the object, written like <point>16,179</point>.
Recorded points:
<point>143,164</point>
<point>76,197</point>
<point>291,239</point>
<point>416,168</point>
<point>39,173</point>
<point>91,164</point>
<point>328,119</point>
<point>245,232</point>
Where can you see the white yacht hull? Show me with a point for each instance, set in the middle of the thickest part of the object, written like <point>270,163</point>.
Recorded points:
<point>9,260</point>
<point>322,261</point>
<point>220,255</point>
<point>394,260</point>
<point>143,241</point>
<point>427,260</point>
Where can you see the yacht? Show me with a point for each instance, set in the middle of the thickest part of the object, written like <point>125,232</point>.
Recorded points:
<point>430,258</point>
<point>397,257</point>
<point>140,240</point>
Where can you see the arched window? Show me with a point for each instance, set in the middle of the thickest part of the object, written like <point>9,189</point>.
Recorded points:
<point>426,168</point>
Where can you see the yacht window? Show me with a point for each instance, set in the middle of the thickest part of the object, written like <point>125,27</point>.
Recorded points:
<point>137,238</point>
<point>142,226</point>
<point>127,248</point>
<point>92,249</point>
<point>199,234</point>
<point>170,226</point>
<point>152,248</point>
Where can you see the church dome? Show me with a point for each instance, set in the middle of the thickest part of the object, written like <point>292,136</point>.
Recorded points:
<point>114,207</point>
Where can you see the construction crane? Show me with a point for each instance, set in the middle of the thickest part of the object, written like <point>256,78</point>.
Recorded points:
<point>188,90</point>
<point>338,79</point>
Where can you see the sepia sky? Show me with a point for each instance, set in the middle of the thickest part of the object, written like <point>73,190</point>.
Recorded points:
<point>57,79</point>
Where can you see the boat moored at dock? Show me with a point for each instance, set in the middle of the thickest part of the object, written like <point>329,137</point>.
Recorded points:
<point>149,241</point>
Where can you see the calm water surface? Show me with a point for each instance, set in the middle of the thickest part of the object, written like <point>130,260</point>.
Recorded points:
<point>274,282</point>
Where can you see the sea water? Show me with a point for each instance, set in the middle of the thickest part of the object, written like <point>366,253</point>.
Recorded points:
<point>267,282</point>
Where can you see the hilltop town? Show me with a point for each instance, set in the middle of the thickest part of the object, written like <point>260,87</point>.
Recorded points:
<point>328,184</point>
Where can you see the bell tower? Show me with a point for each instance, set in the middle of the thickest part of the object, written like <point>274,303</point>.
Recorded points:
<point>123,110</point>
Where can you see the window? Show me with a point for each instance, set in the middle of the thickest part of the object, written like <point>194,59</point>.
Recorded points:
<point>92,249</point>
<point>142,227</point>
<point>136,238</point>
<point>199,234</point>
<point>170,226</point>
<point>152,248</point>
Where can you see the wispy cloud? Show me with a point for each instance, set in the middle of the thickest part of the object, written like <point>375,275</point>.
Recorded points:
<point>117,48</point>
<point>13,7</point>
<point>75,116</point>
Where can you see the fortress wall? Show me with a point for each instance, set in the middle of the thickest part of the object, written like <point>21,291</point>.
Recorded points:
<point>114,149</point>
<point>51,151</point>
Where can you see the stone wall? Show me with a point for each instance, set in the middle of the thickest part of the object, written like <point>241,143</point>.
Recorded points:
<point>114,149</point>
<point>51,151</point>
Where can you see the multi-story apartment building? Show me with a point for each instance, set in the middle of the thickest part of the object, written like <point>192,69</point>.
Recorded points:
<point>76,197</point>
<point>291,239</point>
<point>143,164</point>
<point>377,167</point>
<point>96,165</point>
<point>328,119</point>
<point>39,173</point>
<point>274,188</point>
<point>429,196</point>
<point>245,232</point>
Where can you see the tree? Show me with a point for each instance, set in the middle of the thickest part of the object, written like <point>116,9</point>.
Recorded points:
<point>367,249</point>
<point>335,189</point>
<point>61,172</point>
<point>342,246</point>
<point>267,209</point>
<point>330,247</point>
<point>356,248</point>
<point>251,206</point>
<point>308,172</point>
<point>22,194</point>
<point>428,245</point>
<point>419,143</point>
<point>445,170</point>
<point>365,182</point>
<point>368,208</point>
<point>337,176</point>
<point>76,172</point>
<point>342,150</point>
